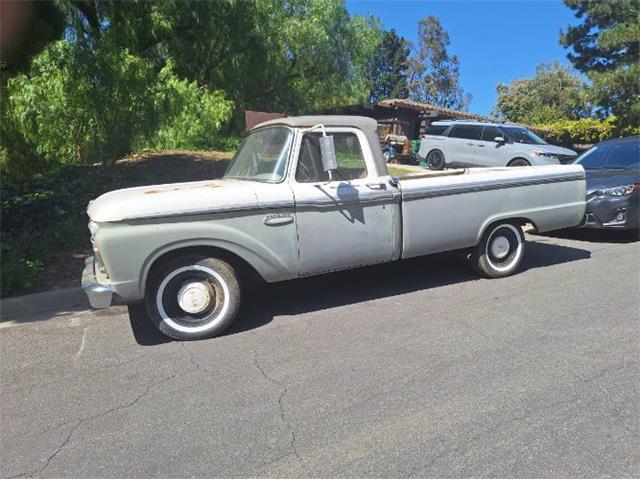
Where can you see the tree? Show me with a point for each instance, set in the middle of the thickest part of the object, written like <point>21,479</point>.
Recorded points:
<point>387,68</point>
<point>265,54</point>
<point>172,73</point>
<point>605,46</point>
<point>434,74</point>
<point>553,93</point>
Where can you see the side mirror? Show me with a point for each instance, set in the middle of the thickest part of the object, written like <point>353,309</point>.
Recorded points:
<point>328,153</point>
<point>500,140</point>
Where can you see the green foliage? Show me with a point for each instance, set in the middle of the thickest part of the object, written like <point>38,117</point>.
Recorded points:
<point>272,55</point>
<point>227,144</point>
<point>387,68</point>
<point>434,74</point>
<point>585,130</point>
<point>45,214</point>
<point>82,105</point>
<point>554,93</point>
<point>316,56</point>
<point>177,74</point>
<point>191,115</point>
<point>606,46</point>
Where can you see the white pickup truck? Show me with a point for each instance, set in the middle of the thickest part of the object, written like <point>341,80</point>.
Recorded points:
<point>304,196</point>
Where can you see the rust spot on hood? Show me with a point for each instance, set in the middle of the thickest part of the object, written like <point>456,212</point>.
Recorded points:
<point>190,187</point>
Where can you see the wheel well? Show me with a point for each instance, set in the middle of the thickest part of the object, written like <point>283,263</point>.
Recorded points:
<point>522,221</point>
<point>246,273</point>
<point>518,158</point>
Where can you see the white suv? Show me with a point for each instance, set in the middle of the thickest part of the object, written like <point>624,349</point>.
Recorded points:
<point>482,144</point>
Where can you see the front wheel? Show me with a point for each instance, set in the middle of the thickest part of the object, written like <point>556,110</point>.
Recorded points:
<point>192,297</point>
<point>519,162</point>
<point>500,251</point>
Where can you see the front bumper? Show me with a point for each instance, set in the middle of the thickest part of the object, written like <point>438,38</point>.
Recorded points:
<point>100,295</point>
<point>608,212</point>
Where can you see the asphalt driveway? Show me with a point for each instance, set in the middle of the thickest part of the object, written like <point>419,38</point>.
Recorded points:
<point>415,369</point>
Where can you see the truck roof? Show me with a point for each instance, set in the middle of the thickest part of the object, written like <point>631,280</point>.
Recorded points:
<point>363,123</point>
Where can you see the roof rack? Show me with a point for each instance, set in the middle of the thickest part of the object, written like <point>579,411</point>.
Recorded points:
<point>468,120</point>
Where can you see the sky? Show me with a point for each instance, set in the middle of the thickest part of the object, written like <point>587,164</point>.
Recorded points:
<point>496,41</point>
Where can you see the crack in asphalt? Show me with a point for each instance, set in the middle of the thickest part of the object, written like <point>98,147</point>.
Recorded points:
<point>81,421</point>
<point>293,448</point>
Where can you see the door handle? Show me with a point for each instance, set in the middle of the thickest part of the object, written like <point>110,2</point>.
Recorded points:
<point>481,144</point>
<point>276,219</point>
<point>470,144</point>
<point>377,186</point>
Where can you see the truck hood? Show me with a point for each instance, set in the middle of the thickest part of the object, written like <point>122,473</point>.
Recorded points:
<point>173,199</point>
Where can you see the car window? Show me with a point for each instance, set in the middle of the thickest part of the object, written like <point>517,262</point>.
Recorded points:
<point>471,132</point>
<point>489,133</point>
<point>522,135</point>
<point>350,160</point>
<point>624,155</point>
<point>611,155</point>
<point>436,129</point>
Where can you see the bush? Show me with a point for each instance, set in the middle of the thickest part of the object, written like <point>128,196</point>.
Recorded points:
<point>191,116</point>
<point>46,214</point>
<point>584,131</point>
<point>227,144</point>
<point>80,105</point>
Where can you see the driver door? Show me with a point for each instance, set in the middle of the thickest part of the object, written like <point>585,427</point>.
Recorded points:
<point>348,220</point>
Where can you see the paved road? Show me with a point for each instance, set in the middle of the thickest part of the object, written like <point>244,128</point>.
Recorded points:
<point>414,369</point>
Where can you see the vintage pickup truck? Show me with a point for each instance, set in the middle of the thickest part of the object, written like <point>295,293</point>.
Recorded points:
<point>304,196</point>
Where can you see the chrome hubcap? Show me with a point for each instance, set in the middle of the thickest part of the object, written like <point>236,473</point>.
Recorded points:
<point>194,297</point>
<point>500,247</point>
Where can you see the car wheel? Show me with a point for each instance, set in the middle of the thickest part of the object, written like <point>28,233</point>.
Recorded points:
<point>191,297</point>
<point>519,162</point>
<point>435,160</point>
<point>500,250</point>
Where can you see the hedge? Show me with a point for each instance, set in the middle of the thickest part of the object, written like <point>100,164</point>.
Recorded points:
<point>584,131</point>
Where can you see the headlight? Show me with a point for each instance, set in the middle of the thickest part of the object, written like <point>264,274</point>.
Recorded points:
<point>540,153</point>
<point>618,191</point>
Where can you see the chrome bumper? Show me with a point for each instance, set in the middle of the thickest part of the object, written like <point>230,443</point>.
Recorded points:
<point>99,295</point>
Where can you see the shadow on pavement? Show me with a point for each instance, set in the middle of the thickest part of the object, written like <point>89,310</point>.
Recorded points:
<point>593,235</point>
<point>143,330</point>
<point>293,297</point>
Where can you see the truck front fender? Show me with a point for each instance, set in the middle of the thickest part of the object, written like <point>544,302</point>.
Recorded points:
<point>130,250</point>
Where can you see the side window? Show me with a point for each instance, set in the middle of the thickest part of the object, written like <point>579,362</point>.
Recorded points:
<point>624,155</point>
<point>471,132</point>
<point>489,133</point>
<point>351,164</point>
<point>436,129</point>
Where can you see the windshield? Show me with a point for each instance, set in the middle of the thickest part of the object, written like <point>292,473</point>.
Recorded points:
<point>613,155</point>
<point>522,135</point>
<point>262,156</point>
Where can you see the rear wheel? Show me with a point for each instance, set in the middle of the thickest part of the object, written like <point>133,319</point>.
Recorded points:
<point>435,160</point>
<point>500,251</point>
<point>191,297</point>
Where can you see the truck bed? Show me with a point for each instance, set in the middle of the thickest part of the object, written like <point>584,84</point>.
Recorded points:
<point>446,210</point>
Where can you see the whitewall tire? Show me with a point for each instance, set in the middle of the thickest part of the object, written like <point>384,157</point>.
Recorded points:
<point>191,297</point>
<point>500,251</point>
